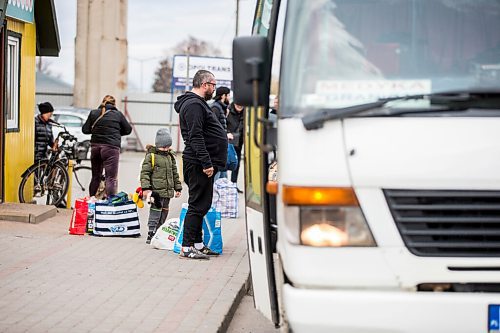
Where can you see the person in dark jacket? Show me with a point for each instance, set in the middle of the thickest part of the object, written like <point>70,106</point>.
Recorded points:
<point>219,108</point>
<point>107,125</point>
<point>235,130</point>
<point>204,154</point>
<point>220,104</point>
<point>44,138</point>
<point>159,176</point>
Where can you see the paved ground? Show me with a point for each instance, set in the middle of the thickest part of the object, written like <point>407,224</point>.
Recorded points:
<point>247,319</point>
<point>55,282</point>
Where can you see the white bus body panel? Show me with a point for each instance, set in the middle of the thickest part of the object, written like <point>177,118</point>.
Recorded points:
<point>336,288</point>
<point>370,311</point>
<point>260,280</point>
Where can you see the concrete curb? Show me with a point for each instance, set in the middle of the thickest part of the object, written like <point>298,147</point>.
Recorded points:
<point>26,213</point>
<point>232,309</point>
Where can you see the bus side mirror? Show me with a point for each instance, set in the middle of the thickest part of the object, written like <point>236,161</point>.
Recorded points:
<point>251,71</point>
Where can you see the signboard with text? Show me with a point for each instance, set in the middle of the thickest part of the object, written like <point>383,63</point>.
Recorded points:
<point>22,10</point>
<point>222,68</point>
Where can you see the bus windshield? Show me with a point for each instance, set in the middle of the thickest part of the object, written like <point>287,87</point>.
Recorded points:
<point>340,53</point>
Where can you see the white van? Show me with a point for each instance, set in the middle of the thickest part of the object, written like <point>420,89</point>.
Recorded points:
<point>387,213</point>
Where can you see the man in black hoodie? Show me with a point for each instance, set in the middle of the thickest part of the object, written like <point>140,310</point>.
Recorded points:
<point>204,154</point>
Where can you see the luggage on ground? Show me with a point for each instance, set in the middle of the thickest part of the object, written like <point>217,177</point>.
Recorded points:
<point>91,215</point>
<point>212,230</point>
<point>225,198</point>
<point>164,238</point>
<point>117,217</point>
<point>78,222</point>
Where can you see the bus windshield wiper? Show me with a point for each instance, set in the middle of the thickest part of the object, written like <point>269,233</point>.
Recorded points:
<point>453,100</point>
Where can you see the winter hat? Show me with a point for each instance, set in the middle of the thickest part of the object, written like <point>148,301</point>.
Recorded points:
<point>45,107</point>
<point>222,91</point>
<point>163,138</point>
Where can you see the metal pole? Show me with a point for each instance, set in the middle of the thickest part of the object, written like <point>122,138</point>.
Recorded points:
<point>187,69</point>
<point>71,163</point>
<point>237,17</point>
<point>172,98</point>
<point>142,71</point>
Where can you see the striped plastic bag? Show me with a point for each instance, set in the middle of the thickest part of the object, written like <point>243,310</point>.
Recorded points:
<point>117,218</point>
<point>225,198</point>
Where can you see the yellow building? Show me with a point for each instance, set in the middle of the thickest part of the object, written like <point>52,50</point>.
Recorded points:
<point>29,29</point>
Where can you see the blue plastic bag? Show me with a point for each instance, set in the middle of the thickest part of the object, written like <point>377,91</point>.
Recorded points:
<point>212,231</point>
<point>232,159</point>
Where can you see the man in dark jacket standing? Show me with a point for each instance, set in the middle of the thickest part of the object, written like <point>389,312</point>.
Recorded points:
<point>204,154</point>
<point>43,131</point>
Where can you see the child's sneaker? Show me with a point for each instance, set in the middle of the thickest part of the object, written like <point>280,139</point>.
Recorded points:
<point>150,237</point>
<point>193,253</point>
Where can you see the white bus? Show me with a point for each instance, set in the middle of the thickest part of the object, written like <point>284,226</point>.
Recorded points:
<point>387,213</point>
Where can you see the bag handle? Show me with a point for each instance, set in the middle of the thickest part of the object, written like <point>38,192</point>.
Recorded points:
<point>99,118</point>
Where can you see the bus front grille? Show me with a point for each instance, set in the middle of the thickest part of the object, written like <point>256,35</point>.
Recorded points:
<point>447,223</point>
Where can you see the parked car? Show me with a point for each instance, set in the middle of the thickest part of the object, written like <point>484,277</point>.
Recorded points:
<point>73,119</point>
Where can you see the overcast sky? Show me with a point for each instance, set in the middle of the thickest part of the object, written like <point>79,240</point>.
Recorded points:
<point>154,27</point>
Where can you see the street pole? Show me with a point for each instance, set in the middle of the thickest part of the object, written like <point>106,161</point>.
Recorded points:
<point>141,62</point>
<point>142,72</point>
<point>237,17</point>
<point>187,69</point>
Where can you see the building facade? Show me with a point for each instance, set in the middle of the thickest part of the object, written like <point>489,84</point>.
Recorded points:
<point>29,29</point>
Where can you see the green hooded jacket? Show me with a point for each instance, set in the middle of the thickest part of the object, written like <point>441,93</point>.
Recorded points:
<point>163,178</point>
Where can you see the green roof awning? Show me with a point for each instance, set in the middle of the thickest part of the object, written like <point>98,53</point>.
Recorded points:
<point>47,32</point>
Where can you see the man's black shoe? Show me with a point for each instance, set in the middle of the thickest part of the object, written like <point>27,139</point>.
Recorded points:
<point>193,253</point>
<point>207,251</point>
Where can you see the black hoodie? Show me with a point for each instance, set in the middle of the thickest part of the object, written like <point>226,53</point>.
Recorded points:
<point>204,137</point>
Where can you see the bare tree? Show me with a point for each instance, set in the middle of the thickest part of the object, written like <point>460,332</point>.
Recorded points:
<point>192,45</point>
<point>43,66</point>
<point>196,47</point>
<point>162,76</point>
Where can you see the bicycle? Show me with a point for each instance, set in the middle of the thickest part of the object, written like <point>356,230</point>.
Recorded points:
<point>47,181</point>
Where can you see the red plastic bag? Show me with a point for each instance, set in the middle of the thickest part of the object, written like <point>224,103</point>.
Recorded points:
<point>78,224</point>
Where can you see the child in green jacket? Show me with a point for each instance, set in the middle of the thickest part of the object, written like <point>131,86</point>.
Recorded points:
<point>159,179</point>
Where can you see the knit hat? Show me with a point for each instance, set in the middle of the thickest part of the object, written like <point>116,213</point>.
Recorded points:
<point>45,107</point>
<point>222,91</point>
<point>163,138</point>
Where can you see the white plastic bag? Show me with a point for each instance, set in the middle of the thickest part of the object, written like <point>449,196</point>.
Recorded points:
<point>165,236</point>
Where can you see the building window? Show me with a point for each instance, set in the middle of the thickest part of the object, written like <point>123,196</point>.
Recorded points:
<point>12,83</point>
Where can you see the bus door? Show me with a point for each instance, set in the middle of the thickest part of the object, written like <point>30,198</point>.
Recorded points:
<point>252,76</point>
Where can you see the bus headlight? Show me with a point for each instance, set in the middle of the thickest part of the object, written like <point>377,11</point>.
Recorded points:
<point>334,226</point>
<point>328,217</point>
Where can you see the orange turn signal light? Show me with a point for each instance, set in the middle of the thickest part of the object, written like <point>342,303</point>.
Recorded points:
<point>321,196</point>
<point>272,187</point>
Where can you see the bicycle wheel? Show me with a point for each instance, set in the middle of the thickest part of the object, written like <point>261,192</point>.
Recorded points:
<point>82,175</point>
<point>43,184</point>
